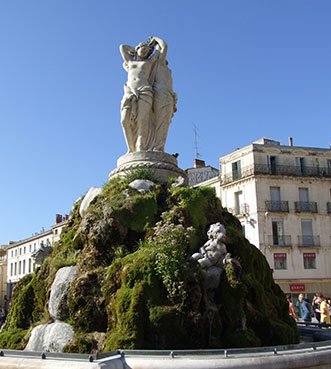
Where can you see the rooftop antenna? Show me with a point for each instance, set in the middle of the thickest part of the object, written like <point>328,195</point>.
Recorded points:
<point>196,137</point>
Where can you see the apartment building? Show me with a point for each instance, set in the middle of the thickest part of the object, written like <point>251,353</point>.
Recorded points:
<point>282,196</point>
<point>19,254</point>
<point>3,274</point>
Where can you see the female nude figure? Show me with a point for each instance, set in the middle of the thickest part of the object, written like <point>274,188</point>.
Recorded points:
<point>137,102</point>
<point>165,99</point>
<point>149,102</point>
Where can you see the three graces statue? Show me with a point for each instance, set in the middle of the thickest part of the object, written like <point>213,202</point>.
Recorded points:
<point>148,103</point>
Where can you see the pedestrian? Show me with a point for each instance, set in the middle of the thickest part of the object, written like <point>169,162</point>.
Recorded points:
<point>305,309</point>
<point>324,310</point>
<point>316,306</point>
<point>292,312</point>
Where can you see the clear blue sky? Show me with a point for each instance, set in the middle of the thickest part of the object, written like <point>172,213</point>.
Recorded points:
<point>242,69</point>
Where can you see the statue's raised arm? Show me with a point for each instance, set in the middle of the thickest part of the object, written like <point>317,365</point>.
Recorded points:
<point>127,53</point>
<point>161,46</point>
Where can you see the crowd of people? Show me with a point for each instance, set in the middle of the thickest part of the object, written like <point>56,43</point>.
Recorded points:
<point>304,310</point>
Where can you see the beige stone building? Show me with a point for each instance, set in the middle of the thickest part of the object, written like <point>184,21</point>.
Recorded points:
<point>3,274</point>
<point>282,196</point>
<point>19,254</point>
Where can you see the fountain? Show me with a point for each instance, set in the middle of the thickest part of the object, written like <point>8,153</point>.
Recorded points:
<point>146,262</point>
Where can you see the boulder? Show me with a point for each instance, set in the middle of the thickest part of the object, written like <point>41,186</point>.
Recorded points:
<point>142,185</point>
<point>92,193</point>
<point>57,306</point>
<point>50,337</point>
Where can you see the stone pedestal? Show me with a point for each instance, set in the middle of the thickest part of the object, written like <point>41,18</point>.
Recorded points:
<point>162,165</point>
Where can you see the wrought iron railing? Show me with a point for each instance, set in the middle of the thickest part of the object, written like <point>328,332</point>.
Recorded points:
<point>277,206</point>
<point>278,170</point>
<point>309,241</point>
<point>243,209</point>
<point>284,240</point>
<point>305,206</point>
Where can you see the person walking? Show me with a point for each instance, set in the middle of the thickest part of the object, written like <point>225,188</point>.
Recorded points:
<point>324,310</point>
<point>305,309</point>
<point>292,312</point>
<point>316,306</point>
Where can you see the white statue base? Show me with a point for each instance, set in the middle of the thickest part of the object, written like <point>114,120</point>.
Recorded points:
<point>163,165</point>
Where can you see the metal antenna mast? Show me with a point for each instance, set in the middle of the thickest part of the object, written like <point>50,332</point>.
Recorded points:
<point>196,137</point>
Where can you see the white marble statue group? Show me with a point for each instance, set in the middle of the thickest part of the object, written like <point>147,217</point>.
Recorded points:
<point>149,102</point>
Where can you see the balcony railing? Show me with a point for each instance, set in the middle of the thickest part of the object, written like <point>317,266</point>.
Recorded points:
<point>283,240</point>
<point>305,207</point>
<point>328,207</point>
<point>309,241</point>
<point>243,210</point>
<point>278,170</point>
<point>277,206</point>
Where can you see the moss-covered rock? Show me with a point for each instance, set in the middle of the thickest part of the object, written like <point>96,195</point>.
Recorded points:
<point>137,285</point>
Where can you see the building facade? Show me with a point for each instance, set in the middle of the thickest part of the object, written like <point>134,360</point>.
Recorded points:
<point>19,254</point>
<point>3,274</point>
<point>282,197</point>
<point>200,172</point>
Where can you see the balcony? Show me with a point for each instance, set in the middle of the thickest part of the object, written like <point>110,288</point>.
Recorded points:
<point>305,207</point>
<point>276,170</point>
<point>241,210</point>
<point>309,241</point>
<point>277,206</point>
<point>282,241</point>
<point>328,207</point>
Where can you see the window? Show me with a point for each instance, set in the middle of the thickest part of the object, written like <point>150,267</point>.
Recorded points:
<point>11,269</point>
<point>30,248</point>
<point>55,231</point>
<point>273,164</point>
<point>12,251</point>
<point>19,267</point>
<point>307,232</point>
<point>275,203</point>
<point>16,252</point>
<point>278,232</point>
<point>236,170</point>
<point>329,166</point>
<point>301,166</point>
<point>20,250</point>
<point>238,199</point>
<point>24,250</point>
<point>29,266</point>
<point>303,194</point>
<point>309,260</point>
<point>280,260</point>
<point>15,268</point>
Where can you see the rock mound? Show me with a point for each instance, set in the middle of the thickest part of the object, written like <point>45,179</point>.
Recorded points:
<point>137,285</point>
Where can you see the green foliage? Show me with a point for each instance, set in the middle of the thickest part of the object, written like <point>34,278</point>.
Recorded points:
<point>139,211</point>
<point>86,304</point>
<point>14,339</point>
<point>141,173</point>
<point>201,204</point>
<point>113,192</point>
<point>128,315</point>
<point>172,242</point>
<point>20,314</point>
<point>29,300</point>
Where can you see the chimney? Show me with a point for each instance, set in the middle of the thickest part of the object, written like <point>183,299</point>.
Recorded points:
<point>290,141</point>
<point>199,163</point>
<point>58,218</point>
